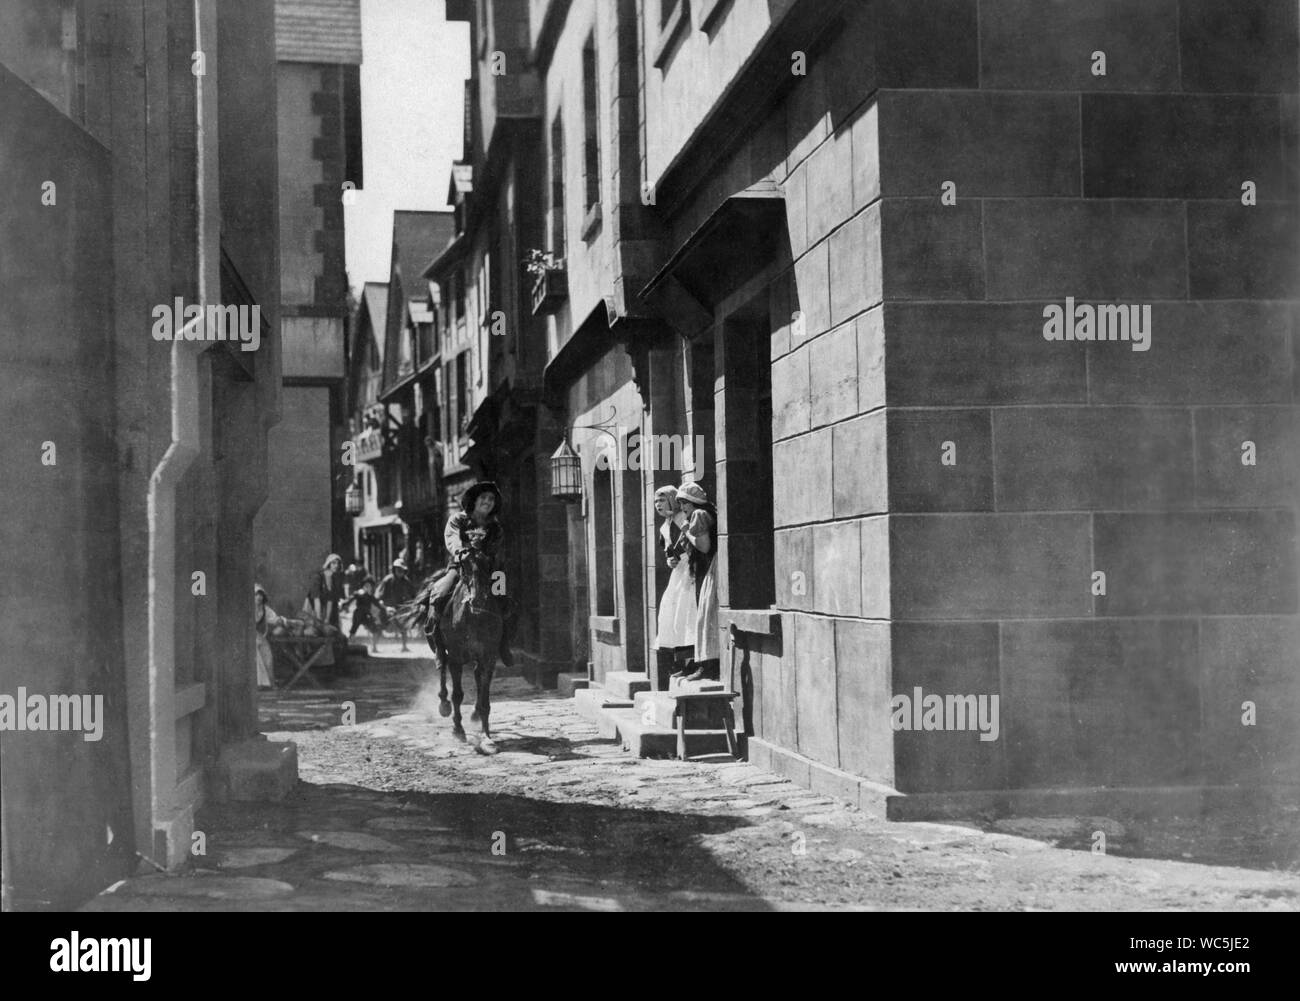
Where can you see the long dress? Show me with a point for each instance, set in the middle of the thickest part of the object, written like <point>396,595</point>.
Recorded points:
<point>265,658</point>
<point>677,604</point>
<point>707,644</point>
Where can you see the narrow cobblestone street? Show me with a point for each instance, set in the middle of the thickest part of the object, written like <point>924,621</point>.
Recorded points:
<point>393,813</point>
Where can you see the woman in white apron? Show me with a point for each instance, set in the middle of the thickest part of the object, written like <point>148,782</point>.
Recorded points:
<point>677,603</point>
<point>701,534</point>
<point>265,620</point>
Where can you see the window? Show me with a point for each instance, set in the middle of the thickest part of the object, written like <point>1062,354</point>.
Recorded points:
<point>458,293</point>
<point>558,243</point>
<point>427,342</point>
<point>602,497</point>
<point>485,290</point>
<point>591,115</point>
<point>449,411</point>
<point>672,20</point>
<point>748,513</point>
<point>462,393</point>
<point>434,401</point>
<point>709,13</point>
<point>406,349</point>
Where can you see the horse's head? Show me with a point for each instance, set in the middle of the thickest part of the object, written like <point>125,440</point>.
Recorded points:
<point>476,574</point>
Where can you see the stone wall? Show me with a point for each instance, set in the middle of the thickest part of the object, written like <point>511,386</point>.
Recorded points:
<point>292,529</point>
<point>146,490</point>
<point>947,481</point>
<point>56,383</point>
<point>1074,458</point>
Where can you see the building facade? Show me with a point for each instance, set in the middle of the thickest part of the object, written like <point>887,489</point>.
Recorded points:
<point>493,347</point>
<point>838,241</point>
<point>143,168</point>
<point>413,461</point>
<point>378,536</point>
<point>318,110</point>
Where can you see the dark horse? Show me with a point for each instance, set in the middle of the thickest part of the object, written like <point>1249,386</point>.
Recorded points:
<point>470,633</point>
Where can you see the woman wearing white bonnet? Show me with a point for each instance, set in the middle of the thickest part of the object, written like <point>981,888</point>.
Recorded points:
<point>701,534</point>
<point>677,603</point>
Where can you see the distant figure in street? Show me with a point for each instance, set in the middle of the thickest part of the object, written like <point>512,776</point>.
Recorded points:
<point>326,592</point>
<point>700,532</point>
<point>324,598</point>
<point>368,612</point>
<point>267,623</point>
<point>676,626</point>
<point>396,590</point>
<point>352,578</point>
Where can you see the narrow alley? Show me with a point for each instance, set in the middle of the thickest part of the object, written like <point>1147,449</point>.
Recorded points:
<point>393,813</point>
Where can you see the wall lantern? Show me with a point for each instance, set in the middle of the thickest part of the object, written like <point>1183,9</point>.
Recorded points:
<point>566,466</point>
<point>352,499</point>
<point>566,473</point>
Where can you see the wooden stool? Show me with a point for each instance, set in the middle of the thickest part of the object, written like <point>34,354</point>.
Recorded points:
<point>708,701</point>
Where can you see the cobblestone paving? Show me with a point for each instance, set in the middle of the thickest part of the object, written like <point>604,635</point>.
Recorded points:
<point>393,813</point>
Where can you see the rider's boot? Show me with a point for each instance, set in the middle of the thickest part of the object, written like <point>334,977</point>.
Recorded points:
<point>433,630</point>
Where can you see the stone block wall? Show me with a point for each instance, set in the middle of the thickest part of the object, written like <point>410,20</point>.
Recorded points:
<point>948,481</point>
<point>1069,459</point>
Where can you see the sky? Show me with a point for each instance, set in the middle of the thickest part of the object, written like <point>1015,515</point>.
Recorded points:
<point>412,104</point>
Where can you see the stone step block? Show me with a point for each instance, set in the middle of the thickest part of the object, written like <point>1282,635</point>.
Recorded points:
<point>649,740</point>
<point>258,771</point>
<point>625,684</point>
<point>590,701</point>
<point>567,684</point>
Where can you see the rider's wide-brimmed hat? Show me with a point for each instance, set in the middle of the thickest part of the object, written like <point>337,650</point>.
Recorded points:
<point>692,493</point>
<point>470,497</point>
<point>399,564</point>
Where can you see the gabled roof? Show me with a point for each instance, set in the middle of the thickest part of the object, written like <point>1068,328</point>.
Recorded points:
<point>419,236</point>
<point>374,300</point>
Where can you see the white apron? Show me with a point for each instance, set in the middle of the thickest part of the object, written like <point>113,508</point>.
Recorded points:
<point>264,662</point>
<point>677,603</point>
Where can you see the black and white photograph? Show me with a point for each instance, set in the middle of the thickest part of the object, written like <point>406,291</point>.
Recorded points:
<point>680,456</point>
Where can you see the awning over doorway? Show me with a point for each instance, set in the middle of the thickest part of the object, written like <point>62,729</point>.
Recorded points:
<point>745,232</point>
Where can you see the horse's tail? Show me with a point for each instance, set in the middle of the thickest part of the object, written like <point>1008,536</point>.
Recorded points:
<point>418,611</point>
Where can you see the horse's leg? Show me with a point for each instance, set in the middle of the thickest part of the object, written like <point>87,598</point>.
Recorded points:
<point>444,707</point>
<point>457,697</point>
<point>482,703</point>
<point>485,698</point>
<point>434,640</point>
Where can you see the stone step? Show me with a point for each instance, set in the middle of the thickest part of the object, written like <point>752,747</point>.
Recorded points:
<point>660,705</point>
<point>625,684</point>
<point>567,684</point>
<point>590,701</point>
<point>649,740</point>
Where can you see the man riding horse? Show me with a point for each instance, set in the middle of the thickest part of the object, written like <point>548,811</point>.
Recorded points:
<point>474,534</point>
